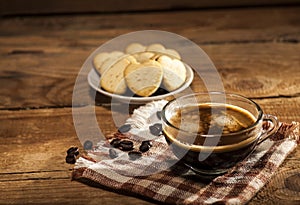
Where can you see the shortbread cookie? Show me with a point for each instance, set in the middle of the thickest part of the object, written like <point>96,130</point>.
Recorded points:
<point>143,57</point>
<point>99,59</point>
<point>135,48</point>
<point>174,72</point>
<point>144,79</point>
<point>112,80</point>
<point>113,57</point>
<point>173,53</point>
<point>156,47</point>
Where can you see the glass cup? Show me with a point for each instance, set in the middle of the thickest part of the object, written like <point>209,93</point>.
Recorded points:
<point>211,132</point>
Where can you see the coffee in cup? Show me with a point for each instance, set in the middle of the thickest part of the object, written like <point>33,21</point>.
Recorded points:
<point>211,132</point>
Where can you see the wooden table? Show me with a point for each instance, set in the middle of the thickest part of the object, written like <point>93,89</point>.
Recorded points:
<point>256,51</point>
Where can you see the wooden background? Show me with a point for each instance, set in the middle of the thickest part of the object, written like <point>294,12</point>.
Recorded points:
<point>37,7</point>
<point>255,49</point>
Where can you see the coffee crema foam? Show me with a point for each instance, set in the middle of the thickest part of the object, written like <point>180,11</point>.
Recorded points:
<point>200,122</point>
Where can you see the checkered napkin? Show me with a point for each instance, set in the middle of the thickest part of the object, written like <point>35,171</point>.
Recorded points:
<point>157,176</point>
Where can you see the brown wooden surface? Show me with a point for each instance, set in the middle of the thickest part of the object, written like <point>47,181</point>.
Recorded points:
<point>256,51</point>
<point>15,7</point>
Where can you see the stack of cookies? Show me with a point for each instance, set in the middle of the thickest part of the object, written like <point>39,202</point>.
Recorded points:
<point>141,69</point>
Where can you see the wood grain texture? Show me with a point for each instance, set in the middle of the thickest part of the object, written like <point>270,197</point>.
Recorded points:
<point>34,143</point>
<point>13,7</point>
<point>256,52</point>
<point>255,70</point>
<point>49,132</point>
<point>202,26</point>
<point>29,45</point>
<point>283,189</point>
<point>42,136</point>
<point>56,188</point>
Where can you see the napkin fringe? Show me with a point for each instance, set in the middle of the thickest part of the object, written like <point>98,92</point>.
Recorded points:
<point>291,131</point>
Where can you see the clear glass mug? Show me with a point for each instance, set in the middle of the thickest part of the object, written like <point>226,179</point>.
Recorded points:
<point>215,151</point>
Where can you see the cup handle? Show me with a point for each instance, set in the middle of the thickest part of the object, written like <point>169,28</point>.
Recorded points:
<point>267,129</point>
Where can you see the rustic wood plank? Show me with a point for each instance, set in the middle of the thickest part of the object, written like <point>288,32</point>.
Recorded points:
<point>284,186</point>
<point>33,143</point>
<point>30,45</point>
<point>9,7</point>
<point>33,169</point>
<point>59,191</point>
<point>49,132</point>
<point>255,70</point>
<point>35,138</point>
<point>286,109</point>
<point>202,26</point>
<point>40,58</point>
<point>258,70</point>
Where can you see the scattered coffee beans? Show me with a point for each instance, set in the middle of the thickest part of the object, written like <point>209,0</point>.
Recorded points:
<point>115,143</point>
<point>145,146</point>
<point>88,145</point>
<point>124,128</point>
<point>126,145</point>
<point>70,159</point>
<point>112,153</point>
<point>155,129</point>
<point>73,151</point>
<point>133,155</point>
<point>148,142</point>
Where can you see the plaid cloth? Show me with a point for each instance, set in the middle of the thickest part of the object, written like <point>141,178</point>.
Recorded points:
<point>156,176</point>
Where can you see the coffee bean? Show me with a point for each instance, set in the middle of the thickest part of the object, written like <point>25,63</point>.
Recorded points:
<point>126,142</point>
<point>115,143</point>
<point>124,128</point>
<point>112,153</point>
<point>158,125</point>
<point>126,145</point>
<point>70,159</point>
<point>133,155</point>
<point>88,145</point>
<point>158,114</point>
<point>144,147</point>
<point>156,129</point>
<point>73,151</point>
<point>148,142</point>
